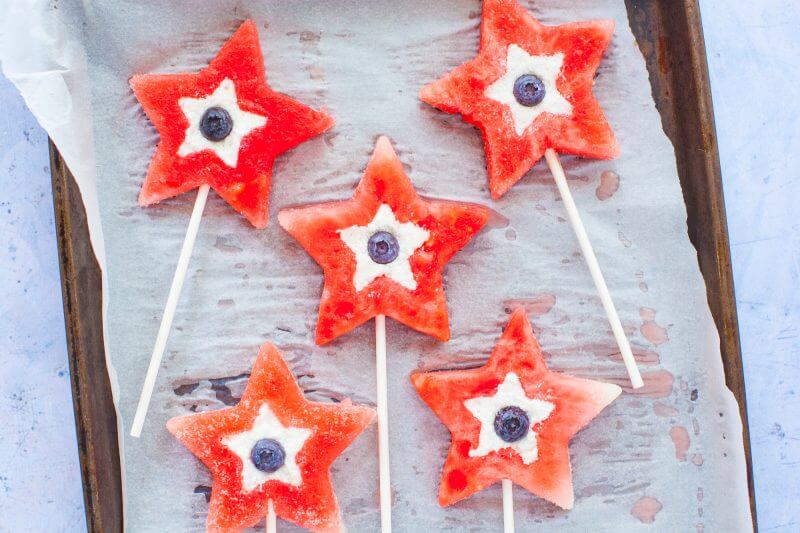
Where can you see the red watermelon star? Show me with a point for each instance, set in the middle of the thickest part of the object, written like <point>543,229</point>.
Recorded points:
<point>529,89</point>
<point>222,126</point>
<point>273,445</point>
<point>511,419</point>
<point>383,251</point>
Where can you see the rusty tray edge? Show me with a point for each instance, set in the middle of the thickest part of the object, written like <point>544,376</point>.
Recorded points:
<point>95,415</point>
<point>676,61</point>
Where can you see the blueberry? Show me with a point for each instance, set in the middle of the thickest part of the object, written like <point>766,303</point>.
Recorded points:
<point>268,455</point>
<point>529,90</point>
<point>216,124</point>
<point>511,423</point>
<point>383,247</point>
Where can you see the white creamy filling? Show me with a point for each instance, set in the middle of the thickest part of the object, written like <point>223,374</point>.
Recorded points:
<point>547,69</point>
<point>409,238</point>
<point>244,122</point>
<point>267,426</point>
<point>485,408</point>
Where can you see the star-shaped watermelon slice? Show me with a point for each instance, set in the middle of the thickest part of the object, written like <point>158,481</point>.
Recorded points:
<point>529,89</point>
<point>511,419</point>
<point>273,445</point>
<point>223,127</point>
<point>383,251</point>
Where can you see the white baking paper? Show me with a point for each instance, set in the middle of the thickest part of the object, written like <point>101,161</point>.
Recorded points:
<point>667,457</point>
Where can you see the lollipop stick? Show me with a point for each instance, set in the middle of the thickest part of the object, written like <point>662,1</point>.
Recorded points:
<point>169,311</point>
<point>272,526</point>
<point>594,267</point>
<point>508,507</point>
<point>383,424</point>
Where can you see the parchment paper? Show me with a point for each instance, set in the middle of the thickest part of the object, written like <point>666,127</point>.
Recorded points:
<point>667,457</point>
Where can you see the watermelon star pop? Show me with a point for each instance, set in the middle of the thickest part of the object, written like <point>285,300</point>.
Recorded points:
<point>220,128</point>
<point>382,253</point>
<point>529,91</point>
<point>272,451</point>
<point>511,420</point>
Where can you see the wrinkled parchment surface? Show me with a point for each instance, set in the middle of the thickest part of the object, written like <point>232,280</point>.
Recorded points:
<point>668,456</point>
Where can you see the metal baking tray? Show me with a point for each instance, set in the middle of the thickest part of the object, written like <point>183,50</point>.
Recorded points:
<point>669,34</point>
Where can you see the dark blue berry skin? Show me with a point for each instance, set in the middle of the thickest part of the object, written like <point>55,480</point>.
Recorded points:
<point>511,423</point>
<point>383,247</point>
<point>529,90</point>
<point>268,455</point>
<point>216,124</point>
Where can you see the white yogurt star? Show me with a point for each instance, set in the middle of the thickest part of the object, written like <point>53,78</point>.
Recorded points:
<point>267,426</point>
<point>409,238</point>
<point>244,122</point>
<point>547,69</point>
<point>509,393</point>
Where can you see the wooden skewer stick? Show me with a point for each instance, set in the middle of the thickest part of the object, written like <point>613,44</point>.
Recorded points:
<point>271,522</point>
<point>169,311</point>
<point>594,267</point>
<point>383,424</point>
<point>508,506</point>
